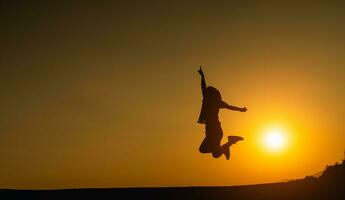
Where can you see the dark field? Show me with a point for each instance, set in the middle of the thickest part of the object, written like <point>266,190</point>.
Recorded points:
<point>330,185</point>
<point>292,190</point>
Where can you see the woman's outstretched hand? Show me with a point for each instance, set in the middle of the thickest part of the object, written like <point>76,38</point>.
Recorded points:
<point>200,71</point>
<point>244,109</point>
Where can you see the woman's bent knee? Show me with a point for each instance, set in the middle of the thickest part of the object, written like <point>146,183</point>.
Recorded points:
<point>203,150</point>
<point>216,154</point>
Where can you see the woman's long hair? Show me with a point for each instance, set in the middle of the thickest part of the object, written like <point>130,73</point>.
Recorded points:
<point>213,96</point>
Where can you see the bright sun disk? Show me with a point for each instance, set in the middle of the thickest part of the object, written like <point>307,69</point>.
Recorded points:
<point>274,139</point>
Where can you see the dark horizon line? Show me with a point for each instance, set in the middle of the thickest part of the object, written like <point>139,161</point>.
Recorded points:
<point>151,187</point>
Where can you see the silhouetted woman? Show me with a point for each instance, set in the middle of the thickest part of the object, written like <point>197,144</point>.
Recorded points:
<point>211,103</point>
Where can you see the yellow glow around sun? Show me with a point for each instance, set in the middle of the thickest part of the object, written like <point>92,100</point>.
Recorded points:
<point>274,139</point>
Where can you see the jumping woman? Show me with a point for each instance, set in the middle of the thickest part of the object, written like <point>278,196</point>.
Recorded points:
<point>211,103</point>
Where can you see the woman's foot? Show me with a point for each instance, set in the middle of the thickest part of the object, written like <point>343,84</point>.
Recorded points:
<point>233,139</point>
<point>227,152</point>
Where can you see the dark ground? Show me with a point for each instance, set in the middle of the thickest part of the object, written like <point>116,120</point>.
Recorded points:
<point>279,191</point>
<point>330,185</point>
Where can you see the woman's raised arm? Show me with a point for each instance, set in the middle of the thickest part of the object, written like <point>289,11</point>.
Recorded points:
<point>203,82</point>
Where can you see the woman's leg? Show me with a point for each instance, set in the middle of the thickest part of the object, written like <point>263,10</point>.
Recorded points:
<point>211,143</point>
<point>224,149</point>
<point>217,153</point>
<point>205,147</point>
<point>217,149</point>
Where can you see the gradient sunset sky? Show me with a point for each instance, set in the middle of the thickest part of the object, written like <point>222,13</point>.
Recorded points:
<point>107,94</point>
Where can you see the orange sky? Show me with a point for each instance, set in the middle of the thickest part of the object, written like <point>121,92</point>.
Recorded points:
<point>107,94</point>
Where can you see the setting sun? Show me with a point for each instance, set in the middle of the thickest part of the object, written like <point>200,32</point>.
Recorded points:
<point>274,139</point>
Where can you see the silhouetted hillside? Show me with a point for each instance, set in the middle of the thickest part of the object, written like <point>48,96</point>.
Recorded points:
<point>330,185</point>
<point>334,173</point>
